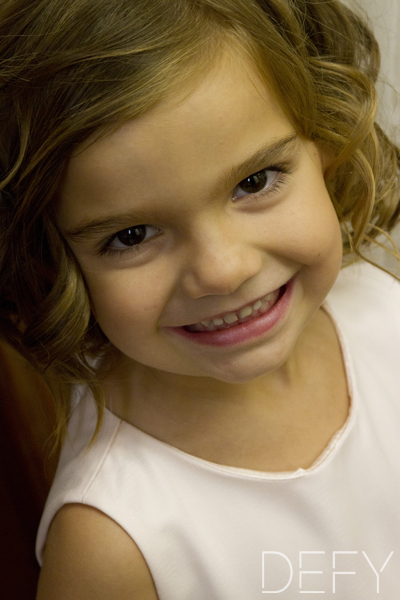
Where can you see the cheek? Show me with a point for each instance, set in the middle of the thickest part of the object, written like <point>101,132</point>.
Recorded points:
<point>314,230</point>
<point>124,302</point>
<point>313,233</point>
<point>322,252</point>
<point>324,239</point>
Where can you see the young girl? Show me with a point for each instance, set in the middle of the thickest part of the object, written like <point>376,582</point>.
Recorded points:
<point>179,180</point>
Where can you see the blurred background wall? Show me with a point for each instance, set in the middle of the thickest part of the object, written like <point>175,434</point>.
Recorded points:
<point>384,19</point>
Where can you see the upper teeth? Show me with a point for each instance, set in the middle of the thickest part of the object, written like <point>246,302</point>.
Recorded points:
<point>261,305</point>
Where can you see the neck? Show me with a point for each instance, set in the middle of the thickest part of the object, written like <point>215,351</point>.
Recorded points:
<point>163,403</point>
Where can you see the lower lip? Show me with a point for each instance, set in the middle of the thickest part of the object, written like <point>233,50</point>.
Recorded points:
<point>245,331</point>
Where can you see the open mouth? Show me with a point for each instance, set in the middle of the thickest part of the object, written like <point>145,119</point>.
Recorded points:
<point>249,323</point>
<point>245,314</point>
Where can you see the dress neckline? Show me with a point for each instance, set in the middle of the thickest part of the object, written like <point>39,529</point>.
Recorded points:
<point>326,455</point>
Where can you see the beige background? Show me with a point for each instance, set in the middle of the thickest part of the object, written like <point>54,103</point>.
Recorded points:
<point>384,19</point>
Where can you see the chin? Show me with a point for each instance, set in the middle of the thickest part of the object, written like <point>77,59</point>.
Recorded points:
<point>250,369</point>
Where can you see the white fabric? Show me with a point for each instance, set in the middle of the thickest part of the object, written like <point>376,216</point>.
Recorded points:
<point>203,527</point>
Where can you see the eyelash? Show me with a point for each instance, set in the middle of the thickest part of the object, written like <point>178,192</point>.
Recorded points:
<point>283,172</point>
<point>282,178</point>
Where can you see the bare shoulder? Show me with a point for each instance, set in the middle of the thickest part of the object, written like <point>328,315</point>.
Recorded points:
<point>90,557</point>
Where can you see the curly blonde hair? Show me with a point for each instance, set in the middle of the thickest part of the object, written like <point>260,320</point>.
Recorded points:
<point>73,68</point>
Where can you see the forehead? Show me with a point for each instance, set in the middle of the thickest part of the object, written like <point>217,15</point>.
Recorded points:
<point>182,143</point>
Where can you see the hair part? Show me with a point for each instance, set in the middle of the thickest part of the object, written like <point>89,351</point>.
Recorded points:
<point>71,71</point>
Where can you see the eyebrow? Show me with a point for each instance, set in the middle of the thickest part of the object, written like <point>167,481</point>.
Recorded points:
<point>263,158</point>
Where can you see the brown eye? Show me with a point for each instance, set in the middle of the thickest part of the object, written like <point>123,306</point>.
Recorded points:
<point>132,236</point>
<point>265,180</point>
<point>255,183</point>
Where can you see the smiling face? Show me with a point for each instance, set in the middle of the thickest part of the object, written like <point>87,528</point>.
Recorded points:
<point>204,230</point>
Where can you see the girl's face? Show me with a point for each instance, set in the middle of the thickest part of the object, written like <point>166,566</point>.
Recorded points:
<point>204,230</point>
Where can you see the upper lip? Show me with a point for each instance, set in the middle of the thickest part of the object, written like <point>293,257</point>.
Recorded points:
<point>235,310</point>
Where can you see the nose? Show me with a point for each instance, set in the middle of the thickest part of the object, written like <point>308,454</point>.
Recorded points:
<point>219,261</point>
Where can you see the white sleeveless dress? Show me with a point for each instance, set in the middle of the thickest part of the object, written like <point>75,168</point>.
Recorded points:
<point>211,532</point>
